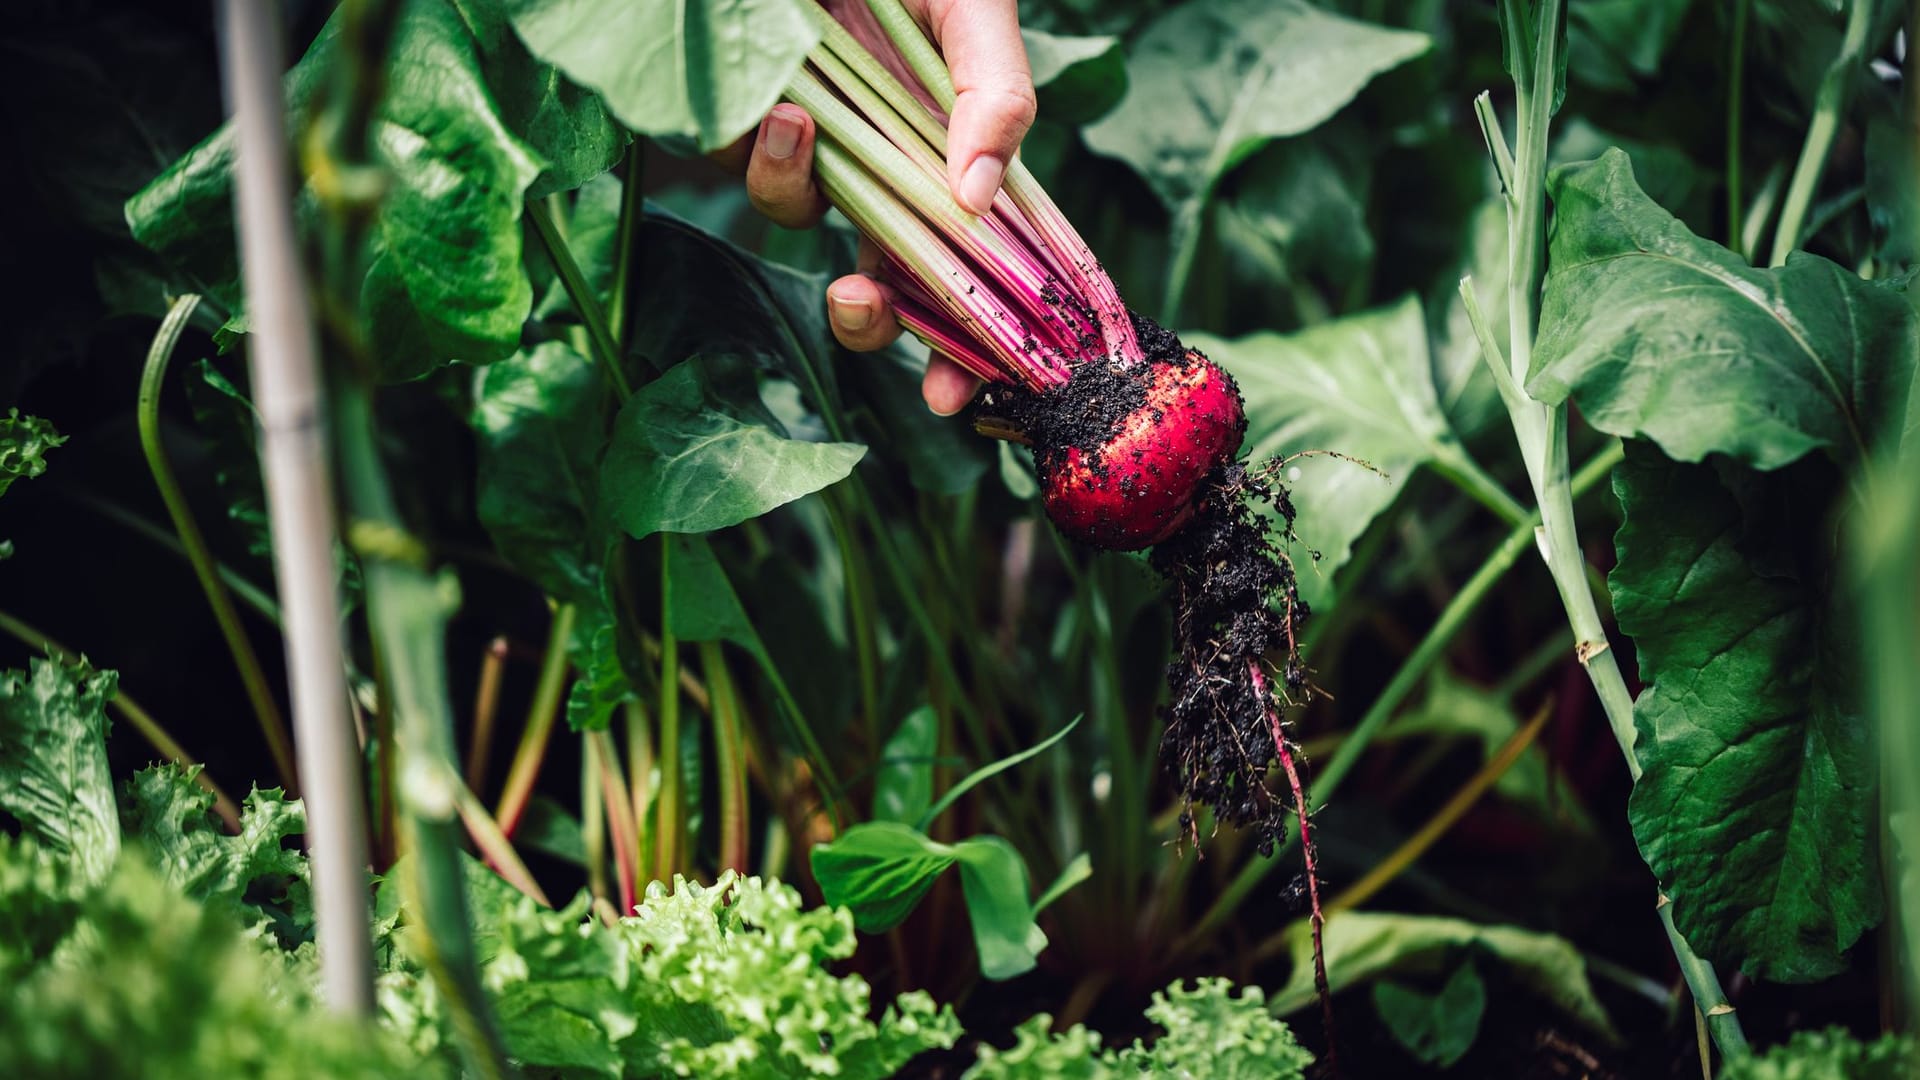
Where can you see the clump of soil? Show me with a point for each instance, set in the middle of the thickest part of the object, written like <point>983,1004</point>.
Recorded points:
<point>1235,603</point>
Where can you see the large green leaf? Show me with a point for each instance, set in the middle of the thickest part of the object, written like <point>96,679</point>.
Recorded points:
<point>538,422</point>
<point>445,281</point>
<point>704,69</point>
<point>695,450</point>
<point>1756,807</point>
<point>1360,386</point>
<point>1363,945</point>
<point>53,760</point>
<point>1211,82</point>
<point>1655,332</point>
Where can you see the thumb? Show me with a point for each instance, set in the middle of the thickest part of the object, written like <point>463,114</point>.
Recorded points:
<point>994,102</point>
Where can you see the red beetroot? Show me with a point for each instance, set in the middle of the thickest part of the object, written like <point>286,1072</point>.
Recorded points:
<point>1141,484</point>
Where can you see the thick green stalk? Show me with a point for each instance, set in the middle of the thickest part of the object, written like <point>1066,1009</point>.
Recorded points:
<point>266,710</point>
<point>1405,680</point>
<point>1542,437</point>
<point>407,607</point>
<point>130,710</point>
<point>407,603</point>
<point>1828,103</point>
<point>544,710</point>
<point>633,212</point>
<point>606,348</point>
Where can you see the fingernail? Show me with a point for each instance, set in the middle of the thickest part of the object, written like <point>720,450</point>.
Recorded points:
<point>851,314</point>
<point>981,182</point>
<point>783,132</point>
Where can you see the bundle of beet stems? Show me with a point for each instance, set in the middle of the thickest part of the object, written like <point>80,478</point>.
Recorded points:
<point>1134,436</point>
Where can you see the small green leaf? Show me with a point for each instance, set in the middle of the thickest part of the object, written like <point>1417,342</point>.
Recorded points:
<point>1659,334</point>
<point>1075,872</point>
<point>694,451</point>
<point>704,69</point>
<point>53,760</point>
<point>993,878</point>
<point>1076,78</point>
<point>1360,386</point>
<point>1437,1029</point>
<point>1756,808</point>
<point>879,870</point>
<point>903,784</point>
<point>1363,945</point>
<point>24,442</point>
<point>1617,44</point>
<point>602,686</point>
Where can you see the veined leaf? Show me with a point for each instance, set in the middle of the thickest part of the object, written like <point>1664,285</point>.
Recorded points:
<point>1756,807</point>
<point>1361,386</point>
<point>1211,82</point>
<point>694,451</point>
<point>53,760</point>
<point>703,69</point>
<point>1657,333</point>
<point>445,282</point>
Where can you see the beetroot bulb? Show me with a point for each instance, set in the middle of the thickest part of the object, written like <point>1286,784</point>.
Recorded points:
<point>1135,437</point>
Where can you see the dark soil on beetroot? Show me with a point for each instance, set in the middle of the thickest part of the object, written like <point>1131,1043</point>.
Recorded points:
<point>1233,590</point>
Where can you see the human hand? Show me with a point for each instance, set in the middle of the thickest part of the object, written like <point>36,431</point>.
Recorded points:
<point>993,107</point>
